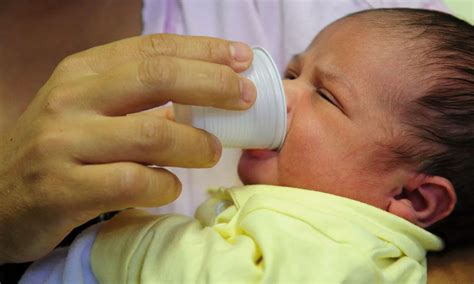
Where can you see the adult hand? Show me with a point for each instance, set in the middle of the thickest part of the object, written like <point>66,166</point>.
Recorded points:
<point>75,153</point>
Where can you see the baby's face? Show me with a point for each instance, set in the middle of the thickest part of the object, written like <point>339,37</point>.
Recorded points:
<point>342,94</point>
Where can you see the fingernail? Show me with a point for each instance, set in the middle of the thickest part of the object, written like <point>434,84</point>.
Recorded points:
<point>217,150</point>
<point>240,51</point>
<point>247,91</point>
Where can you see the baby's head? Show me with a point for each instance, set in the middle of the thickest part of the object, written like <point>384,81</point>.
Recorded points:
<point>381,110</point>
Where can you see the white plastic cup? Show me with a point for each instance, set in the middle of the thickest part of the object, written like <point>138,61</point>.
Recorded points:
<point>263,126</point>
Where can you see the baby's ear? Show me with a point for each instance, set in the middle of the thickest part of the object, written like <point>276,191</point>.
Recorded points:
<point>424,200</point>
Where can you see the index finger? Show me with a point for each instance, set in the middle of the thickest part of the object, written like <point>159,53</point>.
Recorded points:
<point>100,59</point>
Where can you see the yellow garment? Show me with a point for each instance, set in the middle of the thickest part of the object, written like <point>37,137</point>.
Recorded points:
<point>264,234</point>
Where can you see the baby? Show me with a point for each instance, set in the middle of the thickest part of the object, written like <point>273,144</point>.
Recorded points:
<point>379,148</point>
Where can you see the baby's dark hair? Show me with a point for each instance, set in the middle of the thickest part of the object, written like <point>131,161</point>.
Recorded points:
<point>441,120</point>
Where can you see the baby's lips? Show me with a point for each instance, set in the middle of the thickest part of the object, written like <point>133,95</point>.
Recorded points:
<point>261,153</point>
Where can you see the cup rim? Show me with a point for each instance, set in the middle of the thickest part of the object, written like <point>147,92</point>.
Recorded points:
<point>280,136</point>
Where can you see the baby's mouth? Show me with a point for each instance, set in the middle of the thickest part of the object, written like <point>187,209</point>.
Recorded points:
<point>260,153</point>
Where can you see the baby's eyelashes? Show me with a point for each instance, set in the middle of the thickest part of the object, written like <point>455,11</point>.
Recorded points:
<point>327,96</point>
<point>290,75</point>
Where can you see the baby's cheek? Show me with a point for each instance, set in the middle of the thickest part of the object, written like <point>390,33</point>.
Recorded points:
<point>299,160</point>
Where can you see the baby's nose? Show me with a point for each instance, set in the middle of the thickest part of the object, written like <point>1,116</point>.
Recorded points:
<point>290,94</point>
<point>290,90</point>
<point>295,91</point>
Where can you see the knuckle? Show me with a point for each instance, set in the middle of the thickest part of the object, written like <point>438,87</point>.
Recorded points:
<point>158,44</point>
<point>225,77</point>
<point>56,99</point>
<point>157,72</point>
<point>48,143</point>
<point>218,51</point>
<point>64,64</point>
<point>154,134</point>
<point>212,49</point>
<point>131,180</point>
<point>69,66</point>
<point>67,63</point>
<point>150,129</point>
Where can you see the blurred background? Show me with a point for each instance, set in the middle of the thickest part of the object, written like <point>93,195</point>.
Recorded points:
<point>462,8</point>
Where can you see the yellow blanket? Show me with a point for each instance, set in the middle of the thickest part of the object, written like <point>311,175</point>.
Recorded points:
<point>264,234</point>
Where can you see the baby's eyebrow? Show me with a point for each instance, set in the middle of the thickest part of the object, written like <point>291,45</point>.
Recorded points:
<point>329,73</point>
<point>296,58</point>
<point>332,74</point>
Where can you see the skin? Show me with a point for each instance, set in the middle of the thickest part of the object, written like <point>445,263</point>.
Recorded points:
<point>340,113</point>
<point>338,139</point>
<point>57,29</point>
<point>81,146</point>
<point>452,267</point>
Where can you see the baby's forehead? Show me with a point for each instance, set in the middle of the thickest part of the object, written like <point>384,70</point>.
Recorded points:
<point>377,63</point>
<point>362,28</point>
<point>354,40</point>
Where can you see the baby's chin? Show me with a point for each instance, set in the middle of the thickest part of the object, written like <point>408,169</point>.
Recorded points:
<point>258,167</point>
